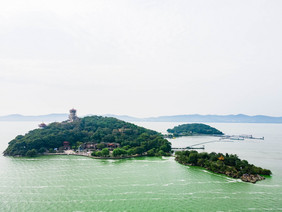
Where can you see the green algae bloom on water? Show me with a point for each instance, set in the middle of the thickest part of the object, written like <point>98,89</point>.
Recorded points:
<point>74,183</point>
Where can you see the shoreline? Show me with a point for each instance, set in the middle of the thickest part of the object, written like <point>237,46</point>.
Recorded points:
<point>248,178</point>
<point>90,156</point>
<point>251,178</point>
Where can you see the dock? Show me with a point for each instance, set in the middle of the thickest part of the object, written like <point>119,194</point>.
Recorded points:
<point>188,147</point>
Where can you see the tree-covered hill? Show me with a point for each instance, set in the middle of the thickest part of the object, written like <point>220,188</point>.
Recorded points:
<point>94,129</point>
<point>194,129</point>
<point>229,165</point>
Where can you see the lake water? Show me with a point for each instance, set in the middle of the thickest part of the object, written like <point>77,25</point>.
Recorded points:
<point>74,183</point>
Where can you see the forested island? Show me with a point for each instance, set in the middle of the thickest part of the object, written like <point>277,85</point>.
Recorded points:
<point>229,165</point>
<point>193,129</point>
<point>93,135</point>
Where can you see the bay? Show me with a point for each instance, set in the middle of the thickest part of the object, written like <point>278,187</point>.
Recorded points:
<point>74,183</point>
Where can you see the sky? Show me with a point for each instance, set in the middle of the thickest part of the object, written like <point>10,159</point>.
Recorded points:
<point>141,57</point>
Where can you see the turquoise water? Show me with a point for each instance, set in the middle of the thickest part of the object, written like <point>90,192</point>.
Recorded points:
<point>73,183</point>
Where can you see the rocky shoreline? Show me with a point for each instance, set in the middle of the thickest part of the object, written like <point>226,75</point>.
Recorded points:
<point>252,178</point>
<point>228,164</point>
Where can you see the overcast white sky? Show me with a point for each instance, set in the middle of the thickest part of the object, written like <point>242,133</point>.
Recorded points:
<point>141,57</point>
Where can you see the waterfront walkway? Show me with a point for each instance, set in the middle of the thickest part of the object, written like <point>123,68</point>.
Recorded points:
<point>88,154</point>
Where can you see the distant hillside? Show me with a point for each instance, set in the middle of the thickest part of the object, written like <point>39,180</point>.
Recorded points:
<point>193,129</point>
<point>46,118</point>
<point>240,118</point>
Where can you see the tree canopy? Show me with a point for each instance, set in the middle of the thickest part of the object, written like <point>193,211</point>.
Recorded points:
<point>96,129</point>
<point>229,165</point>
<point>194,129</point>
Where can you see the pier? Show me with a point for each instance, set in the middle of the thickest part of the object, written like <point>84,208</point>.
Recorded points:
<point>194,146</point>
<point>240,137</point>
<point>188,147</point>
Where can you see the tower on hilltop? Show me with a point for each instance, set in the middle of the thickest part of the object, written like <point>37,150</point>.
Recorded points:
<point>72,115</point>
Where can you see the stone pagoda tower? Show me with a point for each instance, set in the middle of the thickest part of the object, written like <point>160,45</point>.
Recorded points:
<point>72,115</point>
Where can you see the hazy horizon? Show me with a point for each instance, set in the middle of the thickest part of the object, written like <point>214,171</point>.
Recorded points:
<point>109,114</point>
<point>141,58</point>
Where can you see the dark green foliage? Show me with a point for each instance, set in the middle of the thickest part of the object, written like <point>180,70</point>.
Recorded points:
<point>101,146</point>
<point>31,153</point>
<point>119,152</point>
<point>227,164</point>
<point>97,129</point>
<point>105,152</point>
<point>51,150</point>
<point>139,150</point>
<point>161,153</point>
<point>130,151</point>
<point>194,129</point>
<point>151,152</point>
<point>42,150</point>
<point>98,154</point>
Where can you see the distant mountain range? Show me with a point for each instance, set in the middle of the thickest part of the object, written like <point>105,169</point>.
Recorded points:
<point>41,118</point>
<point>240,118</point>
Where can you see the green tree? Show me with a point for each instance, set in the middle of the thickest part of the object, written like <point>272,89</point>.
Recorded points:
<point>161,153</point>
<point>31,153</point>
<point>139,150</point>
<point>99,154</point>
<point>193,158</point>
<point>109,138</point>
<point>105,152</point>
<point>127,147</point>
<point>101,146</point>
<point>130,151</point>
<point>51,150</point>
<point>42,150</point>
<point>151,152</point>
<point>78,144</point>
<point>165,147</point>
<point>118,152</point>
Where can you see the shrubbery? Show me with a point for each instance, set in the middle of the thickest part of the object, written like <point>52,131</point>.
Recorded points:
<point>227,164</point>
<point>31,153</point>
<point>193,129</point>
